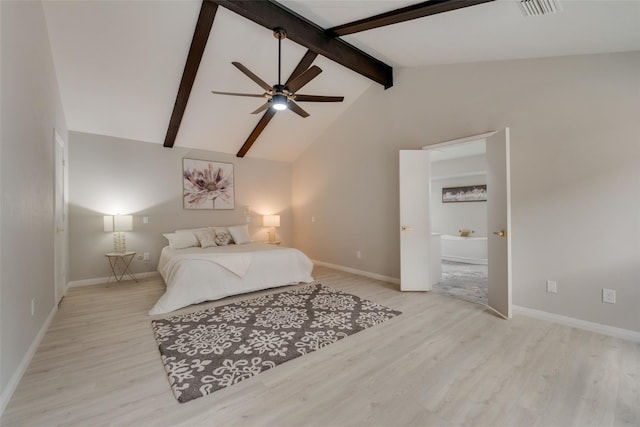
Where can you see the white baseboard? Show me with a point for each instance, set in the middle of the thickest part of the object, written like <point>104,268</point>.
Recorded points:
<point>359,272</point>
<point>22,368</point>
<point>102,280</point>
<point>578,323</point>
<point>537,314</point>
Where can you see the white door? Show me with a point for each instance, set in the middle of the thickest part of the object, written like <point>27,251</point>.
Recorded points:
<point>499,222</point>
<point>60,235</point>
<point>415,223</point>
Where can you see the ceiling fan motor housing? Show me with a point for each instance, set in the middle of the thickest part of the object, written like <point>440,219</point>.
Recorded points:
<point>280,90</point>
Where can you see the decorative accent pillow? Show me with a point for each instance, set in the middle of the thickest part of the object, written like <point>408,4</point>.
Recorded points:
<point>182,240</point>
<point>240,234</point>
<point>223,230</point>
<point>207,237</point>
<point>222,238</point>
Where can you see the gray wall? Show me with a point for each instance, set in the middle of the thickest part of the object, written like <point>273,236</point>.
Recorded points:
<point>31,109</point>
<point>111,175</point>
<point>575,138</point>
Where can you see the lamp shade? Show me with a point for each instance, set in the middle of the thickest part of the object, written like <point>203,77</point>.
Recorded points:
<point>108,223</point>
<point>118,223</point>
<point>123,223</point>
<point>271,221</point>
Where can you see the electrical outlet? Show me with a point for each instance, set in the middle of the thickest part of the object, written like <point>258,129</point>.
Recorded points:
<point>552,286</point>
<point>358,254</point>
<point>313,219</point>
<point>145,256</point>
<point>145,220</point>
<point>609,296</point>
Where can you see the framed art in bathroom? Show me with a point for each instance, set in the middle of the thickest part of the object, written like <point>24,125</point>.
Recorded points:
<point>469,193</point>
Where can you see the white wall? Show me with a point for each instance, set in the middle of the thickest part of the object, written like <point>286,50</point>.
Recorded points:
<point>575,176</point>
<point>110,175</point>
<point>449,218</point>
<point>31,109</point>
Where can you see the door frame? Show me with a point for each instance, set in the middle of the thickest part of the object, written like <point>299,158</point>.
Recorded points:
<point>462,141</point>
<point>60,256</point>
<point>459,141</point>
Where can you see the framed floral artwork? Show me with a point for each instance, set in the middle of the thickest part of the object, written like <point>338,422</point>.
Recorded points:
<point>207,185</point>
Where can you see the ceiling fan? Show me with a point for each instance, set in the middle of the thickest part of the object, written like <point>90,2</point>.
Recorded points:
<point>279,96</point>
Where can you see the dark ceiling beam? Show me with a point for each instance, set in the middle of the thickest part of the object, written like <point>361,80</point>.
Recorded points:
<point>264,121</point>
<point>404,14</point>
<point>270,15</point>
<point>198,43</point>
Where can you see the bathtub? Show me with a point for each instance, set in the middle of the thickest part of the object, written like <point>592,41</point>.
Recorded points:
<point>471,250</point>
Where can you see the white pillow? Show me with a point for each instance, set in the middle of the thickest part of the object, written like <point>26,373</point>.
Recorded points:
<point>182,240</point>
<point>240,234</point>
<point>207,237</point>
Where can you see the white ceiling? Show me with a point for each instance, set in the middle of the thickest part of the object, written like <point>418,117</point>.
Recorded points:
<point>119,63</point>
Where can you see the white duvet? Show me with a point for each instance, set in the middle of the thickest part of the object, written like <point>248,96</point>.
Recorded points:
<point>195,275</point>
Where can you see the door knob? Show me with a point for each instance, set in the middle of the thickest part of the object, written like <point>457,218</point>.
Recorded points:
<point>405,228</point>
<point>59,230</point>
<point>500,233</point>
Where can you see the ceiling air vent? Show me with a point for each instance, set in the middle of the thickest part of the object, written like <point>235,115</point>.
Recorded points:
<point>539,7</point>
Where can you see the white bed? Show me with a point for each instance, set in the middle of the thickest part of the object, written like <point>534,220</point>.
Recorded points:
<point>198,274</point>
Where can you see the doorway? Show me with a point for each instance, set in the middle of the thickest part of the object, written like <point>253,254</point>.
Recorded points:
<point>458,211</point>
<point>419,247</point>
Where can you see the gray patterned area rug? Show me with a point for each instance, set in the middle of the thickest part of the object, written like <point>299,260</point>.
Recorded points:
<point>214,348</point>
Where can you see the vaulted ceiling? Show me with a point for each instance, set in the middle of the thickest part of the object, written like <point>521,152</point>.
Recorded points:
<point>119,63</point>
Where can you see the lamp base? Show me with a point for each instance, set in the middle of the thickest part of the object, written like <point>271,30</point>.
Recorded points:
<point>271,235</point>
<point>119,243</point>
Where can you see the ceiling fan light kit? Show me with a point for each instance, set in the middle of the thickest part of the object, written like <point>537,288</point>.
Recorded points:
<point>279,102</point>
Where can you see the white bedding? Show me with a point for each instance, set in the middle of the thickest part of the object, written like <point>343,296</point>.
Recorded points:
<point>197,274</point>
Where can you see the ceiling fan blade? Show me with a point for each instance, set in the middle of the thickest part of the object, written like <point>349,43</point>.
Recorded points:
<point>262,108</point>
<point>238,94</point>
<point>302,66</point>
<point>252,76</point>
<point>304,78</point>
<point>296,109</point>
<point>318,98</point>
<point>264,121</point>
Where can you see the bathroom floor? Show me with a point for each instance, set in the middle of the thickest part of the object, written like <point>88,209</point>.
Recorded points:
<point>465,281</point>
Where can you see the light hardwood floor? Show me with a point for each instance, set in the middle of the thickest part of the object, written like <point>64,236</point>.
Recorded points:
<point>443,362</point>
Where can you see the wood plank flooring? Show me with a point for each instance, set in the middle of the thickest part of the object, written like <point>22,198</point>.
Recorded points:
<point>443,362</point>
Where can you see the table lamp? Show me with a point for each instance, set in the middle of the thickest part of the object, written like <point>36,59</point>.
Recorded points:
<point>117,224</point>
<point>271,221</point>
